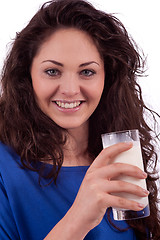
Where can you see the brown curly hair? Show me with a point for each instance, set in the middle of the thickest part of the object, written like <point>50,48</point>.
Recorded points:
<point>35,137</point>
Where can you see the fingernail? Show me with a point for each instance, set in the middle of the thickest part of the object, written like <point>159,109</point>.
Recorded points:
<point>129,143</point>
<point>144,174</point>
<point>140,205</point>
<point>146,192</point>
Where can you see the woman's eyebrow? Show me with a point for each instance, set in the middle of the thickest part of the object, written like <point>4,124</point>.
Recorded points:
<point>62,65</point>
<point>88,63</point>
<point>54,62</point>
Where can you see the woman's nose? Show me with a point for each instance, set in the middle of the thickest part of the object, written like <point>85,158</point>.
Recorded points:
<point>70,86</point>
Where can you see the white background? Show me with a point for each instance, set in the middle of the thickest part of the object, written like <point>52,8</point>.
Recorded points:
<point>140,17</point>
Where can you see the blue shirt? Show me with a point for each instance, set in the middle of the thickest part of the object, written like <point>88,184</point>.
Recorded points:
<point>29,211</point>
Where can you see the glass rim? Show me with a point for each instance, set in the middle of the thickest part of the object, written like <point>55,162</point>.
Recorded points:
<point>122,131</point>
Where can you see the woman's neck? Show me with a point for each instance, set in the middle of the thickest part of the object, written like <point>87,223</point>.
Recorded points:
<point>76,148</point>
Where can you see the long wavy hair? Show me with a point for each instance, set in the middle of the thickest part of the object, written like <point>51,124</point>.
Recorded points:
<point>35,137</point>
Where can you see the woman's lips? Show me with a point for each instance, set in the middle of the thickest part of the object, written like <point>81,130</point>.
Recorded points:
<point>68,107</point>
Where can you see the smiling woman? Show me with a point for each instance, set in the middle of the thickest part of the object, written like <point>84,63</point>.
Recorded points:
<point>69,89</point>
<point>71,76</point>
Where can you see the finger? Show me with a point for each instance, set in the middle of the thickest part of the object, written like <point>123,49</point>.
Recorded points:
<point>107,155</point>
<point>114,170</point>
<point>119,202</point>
<point>125,187</point>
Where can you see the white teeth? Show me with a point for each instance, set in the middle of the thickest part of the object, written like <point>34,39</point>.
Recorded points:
<point>68,105</point>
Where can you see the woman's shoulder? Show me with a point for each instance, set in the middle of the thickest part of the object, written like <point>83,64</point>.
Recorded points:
<point>6,150</point>
<point>12,172</point>
<point>8,157</point>
<point>4,147</point>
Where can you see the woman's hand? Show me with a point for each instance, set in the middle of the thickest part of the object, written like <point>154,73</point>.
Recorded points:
<point>94,195</point>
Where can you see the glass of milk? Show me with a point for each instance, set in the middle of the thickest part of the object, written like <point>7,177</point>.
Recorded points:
<point>132,156</point>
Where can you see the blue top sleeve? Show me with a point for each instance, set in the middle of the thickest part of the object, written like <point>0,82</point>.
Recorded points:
<point>8,228</point>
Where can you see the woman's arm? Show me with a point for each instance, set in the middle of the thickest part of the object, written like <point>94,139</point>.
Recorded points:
<point>94,196</point>
<point>70,227</point>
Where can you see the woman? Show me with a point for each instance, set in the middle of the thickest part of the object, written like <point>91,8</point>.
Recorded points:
<point>71,76</point>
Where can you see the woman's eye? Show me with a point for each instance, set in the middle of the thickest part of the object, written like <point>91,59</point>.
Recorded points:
<point>87,72</point>
<point>53,72</point>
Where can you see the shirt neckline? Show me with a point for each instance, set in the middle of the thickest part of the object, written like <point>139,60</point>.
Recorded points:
<point>74,168</point>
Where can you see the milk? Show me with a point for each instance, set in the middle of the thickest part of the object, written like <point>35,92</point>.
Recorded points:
<point>134,157</point>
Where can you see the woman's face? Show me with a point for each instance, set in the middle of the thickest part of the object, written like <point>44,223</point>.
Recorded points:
<point>68,77</point>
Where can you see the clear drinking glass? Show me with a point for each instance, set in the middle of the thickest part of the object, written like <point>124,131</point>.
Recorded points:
<point>132,156</point>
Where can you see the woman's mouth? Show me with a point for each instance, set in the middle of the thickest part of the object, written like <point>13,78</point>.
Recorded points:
<point>68,105</point>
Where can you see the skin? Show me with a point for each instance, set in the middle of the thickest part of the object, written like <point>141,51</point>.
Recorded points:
<point>71,80</point>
